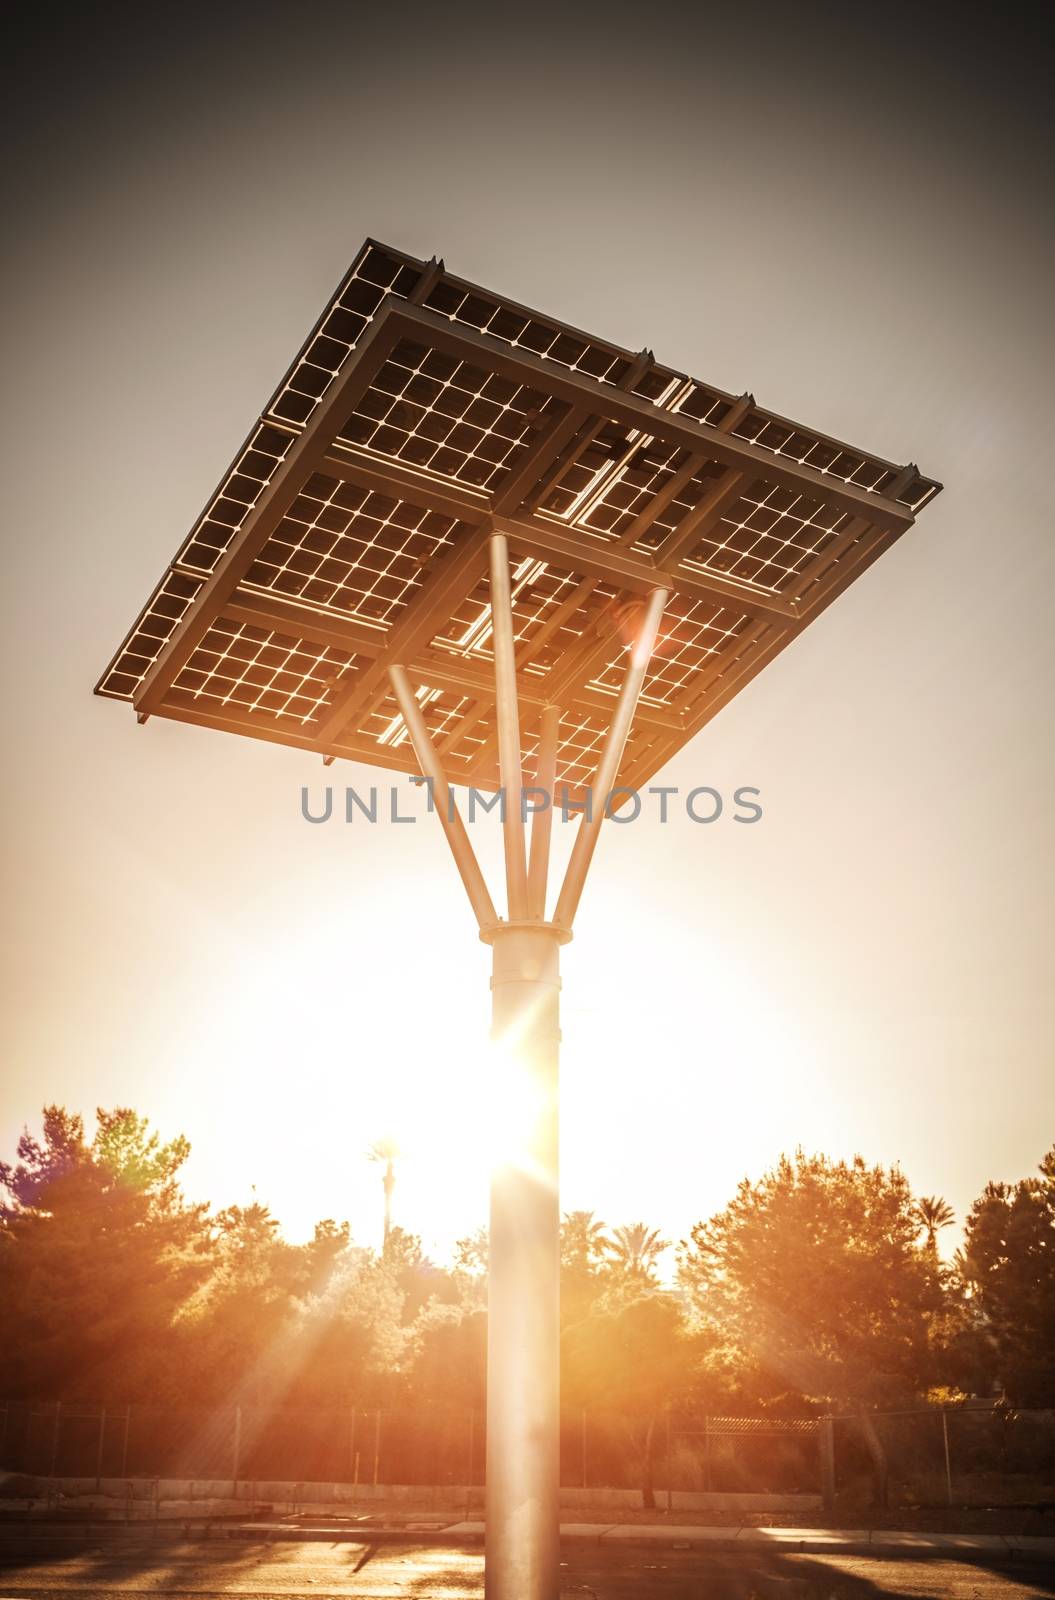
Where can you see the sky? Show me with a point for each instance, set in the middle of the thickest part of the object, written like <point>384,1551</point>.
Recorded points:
<point>844,210</point>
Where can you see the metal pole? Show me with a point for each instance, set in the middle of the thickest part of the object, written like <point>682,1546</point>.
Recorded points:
<point>351,1443</point>
<point>124,1447</point>
<point>828,1462</point>
<point>584,1483</point>
<point>522,1516</point>
<point>669,1498</point>
<point>948,1462</point>
<point>99,1452</point>
<point>542,820</point>
<point>236,1447</point>
<point>389,1183</point>
<point>707,1454</point>
<point>508,717</point>
<point>472,1447</point>
<point>450,821</point>
<point>377,1445</point>
<point>55,1438</point>
<point>608,766</point>
<point>523,1341</point>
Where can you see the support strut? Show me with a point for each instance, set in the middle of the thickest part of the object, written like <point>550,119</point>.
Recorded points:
<point>608,766</point>
<point>450,820</point>
<point>508,713</point>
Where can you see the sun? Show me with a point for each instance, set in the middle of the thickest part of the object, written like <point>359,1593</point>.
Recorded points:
<point>457,1126</point>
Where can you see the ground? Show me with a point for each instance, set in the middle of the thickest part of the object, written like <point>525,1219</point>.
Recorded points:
<point>42,1569</point>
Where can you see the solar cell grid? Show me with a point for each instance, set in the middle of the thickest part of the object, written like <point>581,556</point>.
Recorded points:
<point>451,417</point>
<point>351,549</point>
<point>442,710</point>
<point>705,405</point>
<point>253,470</point>
<point>376,272</point>
<point>663,519</point>
<point>262,671</point>
<point>151,631</point>
<point>695,634</point>
<point>587,467</point>
<point>363,526</point>
<point>582,735</point>
<point>513,325</point>
<point>546,602</point>
<point>798,444</point>
<point>632,486</point>
<point>769,536</point>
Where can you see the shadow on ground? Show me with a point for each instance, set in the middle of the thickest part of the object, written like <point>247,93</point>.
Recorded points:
<point>33,1571</point>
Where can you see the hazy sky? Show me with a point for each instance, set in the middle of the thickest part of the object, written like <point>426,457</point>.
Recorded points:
<point>846,210</point>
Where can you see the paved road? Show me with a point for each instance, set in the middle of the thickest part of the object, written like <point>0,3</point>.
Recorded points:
<point>401,1572</point>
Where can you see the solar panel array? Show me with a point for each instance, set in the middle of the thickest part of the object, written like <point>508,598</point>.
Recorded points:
<point>350,533</point>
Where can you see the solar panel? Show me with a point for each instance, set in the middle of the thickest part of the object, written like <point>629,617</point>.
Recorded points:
<point>421,414</point>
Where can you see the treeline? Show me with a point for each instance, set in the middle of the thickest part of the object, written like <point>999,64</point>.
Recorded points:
<point>819,1287</point>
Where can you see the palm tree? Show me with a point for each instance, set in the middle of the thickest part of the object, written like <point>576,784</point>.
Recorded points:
<point>635,1249</point>
<point>386,1151</point>
<point>961,1270</point>
<point>933,1213</point>
<point>583,1240</point>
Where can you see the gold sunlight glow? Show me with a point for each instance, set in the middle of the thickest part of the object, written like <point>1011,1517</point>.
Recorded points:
<point>465,1123</point>
<point>456,1106</point>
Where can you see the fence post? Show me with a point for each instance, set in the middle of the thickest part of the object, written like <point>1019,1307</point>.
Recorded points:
<point>377,1445</point>
<point>948,1462</point>
<point>351,1444</point>
<point>236,1447</point>
<point>472,1447</point>
<point>584,1482</point>
<point>669,1497</point>
<point>827,1440</point>
<point>99,1452</point>
<point>3,1436</point>
<point>707,1454</point>
<point>124,1447</point>
<point>55,1437</point>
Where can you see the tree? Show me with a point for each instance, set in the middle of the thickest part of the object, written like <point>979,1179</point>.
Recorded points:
<point>583,1240</point>
<point>634,1250</point>
<point>622,1344</point>
<point>1008,1265</point>
<point>629,1357</point>
<point>471,1257</point>
<point>583,1243</point>
<point>237,1325</point>
<point>329,1242</point>
<point>418,1279</point>
<point>101,1256</point>
<point>934,1213</point>
<point>348,1345</point>
<point>450,1357</point>
<point>471,1254</point>
<point>812,1281</point>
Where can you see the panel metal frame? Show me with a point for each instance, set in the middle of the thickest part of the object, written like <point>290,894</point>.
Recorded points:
<point>513,511</point>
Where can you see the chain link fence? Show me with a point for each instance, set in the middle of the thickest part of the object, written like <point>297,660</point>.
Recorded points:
<point>969,1455</point>
<point>956,1455</point>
